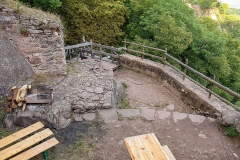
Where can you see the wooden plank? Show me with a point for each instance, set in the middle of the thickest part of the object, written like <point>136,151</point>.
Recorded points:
<point>18,147</point>
<point>20,134</point>
<point>37,149</point>
<point>168,152</point>
<point>79,45</point>
<point>145,147</point>
<point>34,99</point>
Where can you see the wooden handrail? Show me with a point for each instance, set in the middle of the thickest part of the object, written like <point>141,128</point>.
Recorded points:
<point>182,64</point>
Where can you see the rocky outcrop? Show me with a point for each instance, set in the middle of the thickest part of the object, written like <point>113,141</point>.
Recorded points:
<point>13,66</point>
<point>38,37</point>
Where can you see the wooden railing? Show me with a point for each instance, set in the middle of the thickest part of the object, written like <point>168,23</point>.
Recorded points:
<point>186,67</point>
<point>95,49</point>
<point>90,48</point>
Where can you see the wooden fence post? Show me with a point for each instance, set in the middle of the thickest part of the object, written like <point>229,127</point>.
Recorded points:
<point>143,50</point>
<point>165,57</point>
<point>92,54</point>
<point>112,53</point>
<point>83,38</point>
<point>125,46</point>
<point>211,87</point>
<point>100,49</point>
<point>185,69</point>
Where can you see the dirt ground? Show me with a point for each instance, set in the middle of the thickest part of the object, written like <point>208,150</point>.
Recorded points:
<point>187,140</point>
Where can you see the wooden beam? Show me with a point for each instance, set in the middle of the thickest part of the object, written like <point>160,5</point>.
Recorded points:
<point>37,149</point>
<point>20,134</point>
<point>18,147</point>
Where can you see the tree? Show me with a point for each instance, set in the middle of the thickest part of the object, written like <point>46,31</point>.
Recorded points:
<point>46,5</point>
<point>100,21</point>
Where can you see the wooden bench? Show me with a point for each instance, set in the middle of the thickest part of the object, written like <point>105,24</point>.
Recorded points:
<point>27,137</point>
<point>147,147</point>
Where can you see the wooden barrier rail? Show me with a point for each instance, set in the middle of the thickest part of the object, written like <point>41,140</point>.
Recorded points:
<point>186,67</point>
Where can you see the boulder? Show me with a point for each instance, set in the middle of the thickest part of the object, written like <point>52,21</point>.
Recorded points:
<point>230,118</point>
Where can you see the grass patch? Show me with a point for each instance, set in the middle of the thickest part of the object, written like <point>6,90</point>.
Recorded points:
<point>230,131</point>
<point>161,106</point>
<point>125,104</point>
<point>125,86</point>
<point>3,131</point>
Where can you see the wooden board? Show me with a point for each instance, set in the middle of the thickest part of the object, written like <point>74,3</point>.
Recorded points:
<point>20,134</point>
<point>145,147</point>
<point>36,100</point>
<point>168,152</point>
<point>18,147</point>
<point>37,149</point>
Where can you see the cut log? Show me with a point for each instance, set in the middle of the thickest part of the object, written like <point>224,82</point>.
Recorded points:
<point>15,91</point>
<point>22,93</point>
<point>24,106</point>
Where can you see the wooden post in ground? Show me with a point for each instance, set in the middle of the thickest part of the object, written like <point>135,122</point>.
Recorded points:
<point>143,50</point>
<point>92,53</point>
<point>125,46</point>
<point>185,69</point>
<point>211,87</point>
<point>83,39</point>
<point>100,49</point>
<point>165,57</point>
<point>112,53</point>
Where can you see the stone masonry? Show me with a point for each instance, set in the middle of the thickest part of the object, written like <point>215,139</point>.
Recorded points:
<point>37,37</point>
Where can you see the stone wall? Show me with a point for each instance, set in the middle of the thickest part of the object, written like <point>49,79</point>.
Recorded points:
<point>188,91</point>
<point>37,36</point>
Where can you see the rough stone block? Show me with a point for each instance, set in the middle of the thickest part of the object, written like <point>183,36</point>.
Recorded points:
<point>179,116</point>
<point>89,116</point>
<point>148,114</point>
<point>163,114</point>
<point>108,115</point>
<point>129,112</point>
<point>197,118</point>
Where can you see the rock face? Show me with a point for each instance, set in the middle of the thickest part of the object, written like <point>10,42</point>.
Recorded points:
<point>230,118</point>
<point>37,37</point>
<point>13,66</point>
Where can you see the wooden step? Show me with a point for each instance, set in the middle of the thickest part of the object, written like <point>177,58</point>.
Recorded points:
<point>168,152</point>
<point>36,150</point>
<point>20,134</point>
<point>145,147</point>
<point>18,147</point>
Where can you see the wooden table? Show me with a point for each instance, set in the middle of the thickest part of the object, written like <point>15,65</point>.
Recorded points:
<point>24,140</point>
<point>147,147</point>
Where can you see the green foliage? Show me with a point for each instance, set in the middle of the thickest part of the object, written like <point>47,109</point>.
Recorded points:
<point>230,131</point>
<point>125,104</point>
<point>24,31</point>
<point>100,21</point>
<point>46,5</point>
<point>212,47</point>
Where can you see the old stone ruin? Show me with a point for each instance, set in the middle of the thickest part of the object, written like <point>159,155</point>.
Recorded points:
<point>33,46</point>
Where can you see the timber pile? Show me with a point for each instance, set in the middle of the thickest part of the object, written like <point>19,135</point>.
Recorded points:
<point>25,94</point>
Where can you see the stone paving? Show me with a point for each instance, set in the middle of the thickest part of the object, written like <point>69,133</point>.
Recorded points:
<point>112,115</point>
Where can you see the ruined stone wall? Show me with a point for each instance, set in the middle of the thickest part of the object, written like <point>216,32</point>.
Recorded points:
<point>188,91</point>
<point>37,36</point>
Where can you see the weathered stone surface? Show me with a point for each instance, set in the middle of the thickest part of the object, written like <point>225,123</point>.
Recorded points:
<point>13,66</point>
<point>170,107</point>
<point>77,117</point>
<point>230,118</point>
<point>98,90</point>
<point>163,114</point>
<point>179,116</point>
<point>129,112</point>
<point>89,116</point>
<point>108,115</point>
<point>35,37</point>
<point>238,127</point>
<point>196,118</point>
<point>148,114</point>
